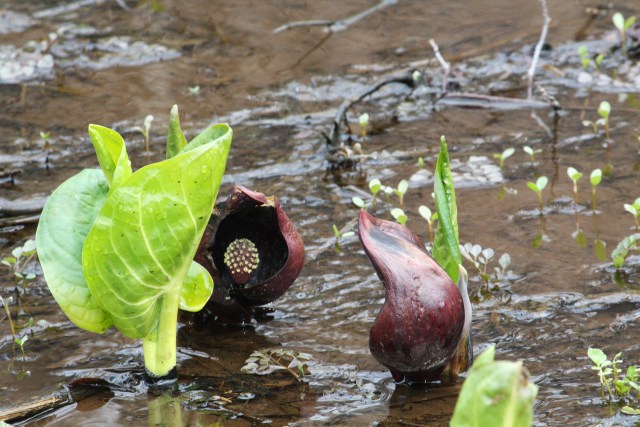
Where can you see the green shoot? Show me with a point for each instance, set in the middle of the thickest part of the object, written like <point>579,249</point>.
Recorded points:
<point>623,26</point>
<point>532,153</point>
<point>604,110</point>
<point>586,60</point>
<point>537,188</point>
<point>602,365</point>
<point>621,252</point>
<point>613,379</point>
<point>504,156</point>
<point>634,210</point>
<point>403,186</point>
<point>20,342</point>
<point>360,204</point>
<point>364,124</point>
<point>339,235</point>
<point>374,187</point>
<point>595,179</point>
<point>420,163</point>
<point>144,130</point>
<point>194,90</point>
<point>21,256</point>
<point>575,177</point>
<point>399,215</point>
<point>425,213</point>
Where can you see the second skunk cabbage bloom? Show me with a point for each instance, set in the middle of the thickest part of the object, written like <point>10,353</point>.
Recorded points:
<point>253,252</point>
<point>418,328</point>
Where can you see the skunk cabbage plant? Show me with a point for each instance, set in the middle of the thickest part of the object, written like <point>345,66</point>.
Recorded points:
<point>117,246</point>
<point>253,251</point>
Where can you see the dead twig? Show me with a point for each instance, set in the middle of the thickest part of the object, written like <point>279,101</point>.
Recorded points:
<point>536,52</point>
<point>339,25</point>
<point>444,64</point>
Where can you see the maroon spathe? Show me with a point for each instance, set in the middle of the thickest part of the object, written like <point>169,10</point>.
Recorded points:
<point>418,328</point>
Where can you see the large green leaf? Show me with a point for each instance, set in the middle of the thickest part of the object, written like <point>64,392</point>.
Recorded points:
<point>197,288</point>
<point>146,235</point>
<point>64,224</point>
<point>112,154</point>
<point>446,247</point>
<point>495,393</point>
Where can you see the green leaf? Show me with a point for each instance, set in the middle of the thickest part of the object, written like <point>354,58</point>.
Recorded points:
<point>627,410</point>
<point>374,186</point>
<point>403,186</point>
<point>64,224</point>
<point>596,177</point>
<point>399,215</point>
<point>425,212</point>
<point>618,21</point>
<point>146,235</point>
<point>495,393</point>
<point>628,23</point>
<point>533,187</point>
<point>176,140</point>
<point>358,202</point>
<point>604,109</point>
<point>620,253</point>
<point>574,174</point>
<point>197,288</point>
<point>446,245</point>
<point>541,183</point>
<point>597,356</point>
<point>112,154</point>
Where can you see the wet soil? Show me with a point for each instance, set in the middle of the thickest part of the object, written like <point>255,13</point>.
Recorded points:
<point>280,93</point>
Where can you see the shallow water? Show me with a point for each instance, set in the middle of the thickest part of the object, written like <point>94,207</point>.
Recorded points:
<point>280,95</point>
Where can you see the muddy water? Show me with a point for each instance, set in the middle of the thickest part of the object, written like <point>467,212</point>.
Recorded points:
<point>280,92</point>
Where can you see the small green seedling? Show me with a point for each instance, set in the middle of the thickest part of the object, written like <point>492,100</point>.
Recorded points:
<point>623,26</point>
<point>399,215</point>
<point>144,130</point>
<point>634,210</point>
<point>575,177</point>
<point>364,124</point>
<point>21,256</point>
<point>269,360</point>
<point>5,303</point>
<point>374,187</point>
<point>20,342</point>
<point>586,59</point>
<point>360,204</point>
<point>595,179</point>
<point>532,153</point>
<point>604,110</point>
<point>617,383</point>
<point>421,161</point>
<point>504,156</point>
<point>340,235</point>
<point>426,213</point>
<point>537,188</point>
<point>403,186</point>
<point>194,90</point>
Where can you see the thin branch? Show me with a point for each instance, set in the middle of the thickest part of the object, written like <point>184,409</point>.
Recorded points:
<point>444,64</point>
<point>538,48</point>
<point>339,25</point>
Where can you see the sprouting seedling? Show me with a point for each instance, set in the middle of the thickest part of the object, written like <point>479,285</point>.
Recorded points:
<point>20,342</point>
<point>194,90</point>
<point>19,259</point>
<point>5,303</point>
<point>634,209</point>
<point>595,179</point>
<point>585,59</point>
<point>537,188</point>
<point>426,213</point>
<point>532,153</point>
<point>626,245</point>
<point>602,365</point>
<point>340,235</point>
<point>399,215</point>
<point>144,130</point>
<point>504,155</point>
<point>360,204</point>
<point>388,191</point>
<point>623,26</point>
<point>374,187</point>
<point>403,186</point>
<point>364,124</point>
<point>575,177</point>
<point>420,163</point>
<point>604,110</point>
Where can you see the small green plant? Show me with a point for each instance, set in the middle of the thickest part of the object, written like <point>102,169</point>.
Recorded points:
<point>269,360</point>
<point>360,204</point>
<point>621,252</point>
<point>144,130</point>
<point>363,120</point>
<point>20,342</point>
<point>595,178</point>
<point>575,176</point>
<point>19,259</point>
<point>480,259</point>
<point>537,188</point>
<point>430,217</point>
<point>614,381</point>
<point>339,235</point>
<point>504,156</point>
<point>194,90</point>
<point>634,209</point>
<point>399,215</point>
<point>403,186</point>
<point>623,26</point>
<point>374,187</point>
<point>604,110</point>
<point>5,303</point>
<point>586,59</point>
<point>532,153</point>
<point>421,161</point>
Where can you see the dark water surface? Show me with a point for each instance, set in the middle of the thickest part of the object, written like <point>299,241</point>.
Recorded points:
<point>113,67</point>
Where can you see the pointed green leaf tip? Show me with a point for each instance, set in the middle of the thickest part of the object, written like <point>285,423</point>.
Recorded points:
<point>495,393</point>
<point>176,140</point>
<point>112,154</point>
<point>446,248</point>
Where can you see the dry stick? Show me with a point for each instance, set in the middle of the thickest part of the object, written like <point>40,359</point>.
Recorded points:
<point>339,25</point>
<point>444,64</point>
<point>538,48</point>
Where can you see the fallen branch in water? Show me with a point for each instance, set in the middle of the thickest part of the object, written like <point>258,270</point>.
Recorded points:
<point>444,64</point>
<point>536,52</point>
<point>335,26</point>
